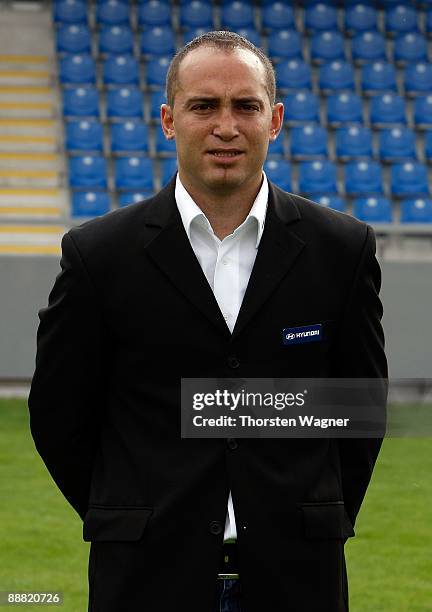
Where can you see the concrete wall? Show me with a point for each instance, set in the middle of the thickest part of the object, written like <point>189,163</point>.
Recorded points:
<point>406,293</point>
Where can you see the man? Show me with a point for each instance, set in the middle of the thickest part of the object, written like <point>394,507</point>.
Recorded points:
<point>199,281</point>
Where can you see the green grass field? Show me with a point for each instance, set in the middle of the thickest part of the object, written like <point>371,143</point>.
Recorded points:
<point>389,560</point>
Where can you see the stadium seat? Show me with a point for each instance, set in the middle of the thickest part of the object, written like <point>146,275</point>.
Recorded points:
<point>330,201</point>
<point>120,70</point>
<point>360,18</point>
<point>317,176</point>
<point>363,178</point>
<point>124,102</point>
<point>409,178</point>
<point>285,44</point>
<point>237,15</point>
<point>277,15</point>
<point>81,102</point>
<point>388,108</point>
<point>368,47</point>
<point>301,107</point>
<point>400,19</point>
<point>428,146</point>
<point>168,169</point>
<point>154,13</point>
<point>397,144</point>
<point>157,41</point>
<point>277,147</point>
<point>156,71</point>
<point>418,78</point>
<point>373,209</point>
<point>73,38</point>
<point>279,172</point>
<point>133,173</point>
<point>84,135</point>
<point>88,171</point>
<point>132,197</point>
<point>163,146</point>
<point>416,210</point>
<point>112,12</point>
<point>422,111</point>
<point>344,108</point>
<point>410,47</point>
<point>156,99</point>
<point>320,16</point>
<point>90,203</point>
<point>116,39</point>
<point>353,142</point>
<point>197,14</point>
<point>327,46</point>
<point>428,21</point>
<point>308,141</point>
<point>70,11</point>
<point>250,34</point>
<point>336,76</point>
<point>77,69</point>
<point>293,75</point>
<point>378,77</point>
<point>129,137</point>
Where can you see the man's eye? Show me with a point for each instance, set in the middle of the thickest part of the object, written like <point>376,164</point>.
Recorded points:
<point>249,107</point>
<point>201,107</point>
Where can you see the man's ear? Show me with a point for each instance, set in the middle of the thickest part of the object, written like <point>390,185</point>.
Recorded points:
<point>277,121</point>
<point>167,121</point>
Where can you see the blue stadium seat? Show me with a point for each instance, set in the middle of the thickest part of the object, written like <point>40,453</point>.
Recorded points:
<point>277,147</point>
<point>308,141</point>
<point>385,109</point>
<point>77,69</point>
<point>285,44</point>
<point>70,11</point>
<point>156,99</point>
<point>133,173</point>
<point>250,34</point>
<point>88,171</point>
<point>237,15</point>
<point>90,203</point>
<point>279,172</point>
<point>168,169</point>
<point>400,19</point>
<point>156,71</point>
<point>192,33</point>
<point>409,178</point>
<point>320,16</point>
<point>120,70</point>
<point>363,178</point>
<point>360,18</point>
<point>331,201</point>
<point>132,197</point>
<point>422,111</point>
<point>116,39</point>
<point>373,209</point>
<point>327,46</point>
<point>84,135</point>
<point>197,14</point>
<point>163,146</point>
<point>418,78</point>
<point>157,41</point>
<point>368,47</point>
<point>353,142</point>
<point>293,75</point>
<point>428,145</point>
<point>317,176</point>
<point>301,107</point>
<point>344,108</point>
<point>428,21</point>
<point>124,102</point>
<point>336,76</point>
<point>397,144</point>
<point>410,47</point>
<point>378,77</point>
<point>73,38</point>
<point>416,210</point>
<point>81,102</point>
<point>112,12</point>
<point>277,15</point>
<point>129,137</point>
<point>154,13</point>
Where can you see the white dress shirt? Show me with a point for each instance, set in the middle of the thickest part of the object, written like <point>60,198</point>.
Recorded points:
<point>227,265</point>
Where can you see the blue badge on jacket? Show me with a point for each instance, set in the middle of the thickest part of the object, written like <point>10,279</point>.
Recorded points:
<point>299,335</point>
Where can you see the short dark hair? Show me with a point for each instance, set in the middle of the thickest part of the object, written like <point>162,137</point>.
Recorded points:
<point>226,41</point>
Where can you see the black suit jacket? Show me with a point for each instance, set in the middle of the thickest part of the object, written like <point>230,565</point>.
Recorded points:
<point>131,313</point>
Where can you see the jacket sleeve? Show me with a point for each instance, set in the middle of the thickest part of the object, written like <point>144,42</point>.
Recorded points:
<point>360,354</point>
<point>66,395</point>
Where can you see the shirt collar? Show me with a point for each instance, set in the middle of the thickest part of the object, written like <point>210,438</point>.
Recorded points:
<point>190,211</point>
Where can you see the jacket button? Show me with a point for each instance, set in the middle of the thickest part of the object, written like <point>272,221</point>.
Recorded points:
<point>233,362</point>
<point>232,443</point>
<point>215,527</point>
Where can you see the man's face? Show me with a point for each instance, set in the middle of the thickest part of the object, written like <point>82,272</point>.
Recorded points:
<point>222,119</point>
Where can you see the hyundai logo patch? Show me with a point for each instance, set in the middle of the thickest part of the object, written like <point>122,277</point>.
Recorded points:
<point>299,335</point>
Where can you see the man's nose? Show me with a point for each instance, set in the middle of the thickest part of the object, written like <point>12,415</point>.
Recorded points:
<point>226,125</point>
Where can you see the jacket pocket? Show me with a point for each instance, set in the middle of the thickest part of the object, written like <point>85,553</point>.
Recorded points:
<point>115,524</point>
<point>326,520</point>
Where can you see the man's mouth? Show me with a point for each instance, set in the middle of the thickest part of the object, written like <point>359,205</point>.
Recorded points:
<point>224,153</point>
